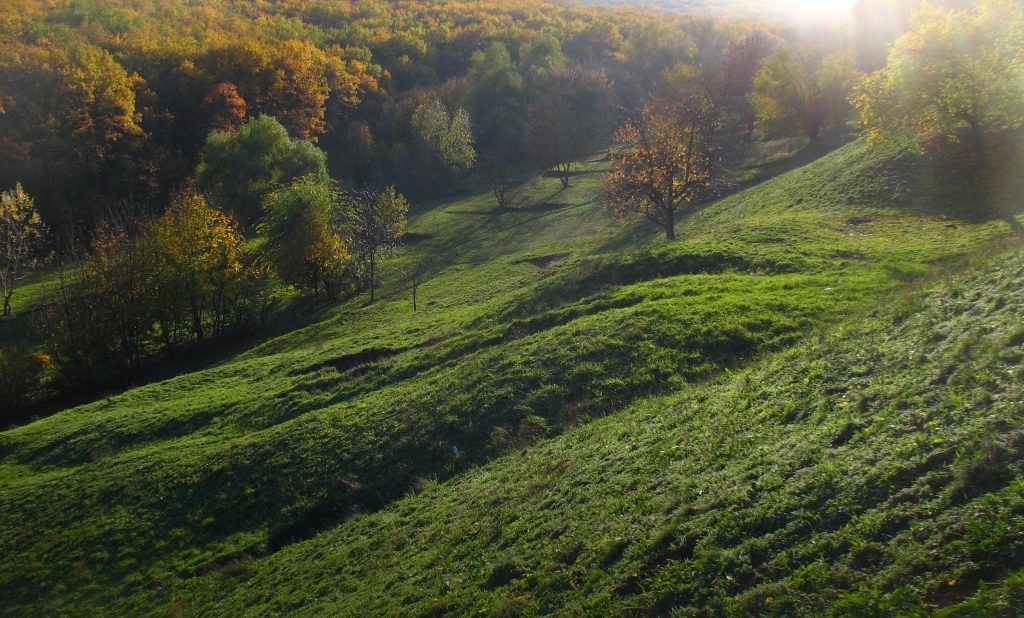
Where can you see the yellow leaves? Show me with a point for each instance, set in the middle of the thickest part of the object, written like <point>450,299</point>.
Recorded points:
<point>196,245</point>
<point>44,360</point>
<point>954,73</point>
<point>20,228</point>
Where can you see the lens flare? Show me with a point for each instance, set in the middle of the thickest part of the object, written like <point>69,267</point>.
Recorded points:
<point>819,10</point>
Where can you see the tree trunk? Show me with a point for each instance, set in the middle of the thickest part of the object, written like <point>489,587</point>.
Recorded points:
<point>985,171</point>
<point>979,144</point>
<point>670,228</point>
<point>563,173</point>
<point>197,321</point>
<point>373,276</point>
<point>1014,224</point>
<point>7,305</point>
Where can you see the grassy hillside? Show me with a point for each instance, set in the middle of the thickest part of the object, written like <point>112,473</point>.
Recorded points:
<point>874,470</point>
<point>533,322</point>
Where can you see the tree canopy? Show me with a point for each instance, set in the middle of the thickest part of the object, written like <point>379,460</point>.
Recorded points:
<point>241,167</point>
<point>22,235</point>
<point>306,247</point>
<point>955,79</point>
<point>660,164</point>
<point>107,101</point>
<point>803,90</point>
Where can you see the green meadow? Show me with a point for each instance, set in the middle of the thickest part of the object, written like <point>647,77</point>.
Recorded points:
<point>803,405</point>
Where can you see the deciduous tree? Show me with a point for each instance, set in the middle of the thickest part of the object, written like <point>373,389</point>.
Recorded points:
<point>956,79</point>
<point>660,164</point>
<point>199,266</point>
<point>803,91</point>
<point>447,137</point>
<point>498,171</point>
<point>22,234</point>
<point>242,167</point>
<point>742,62</point>
<point>954,87</point>
<point>297,96</point>
<point>566,117</point>
<point>226,107</point>
<point>379,218</point>
<point>306,246</point>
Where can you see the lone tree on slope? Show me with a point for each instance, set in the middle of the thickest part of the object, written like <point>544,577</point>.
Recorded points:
<point>660,164</point>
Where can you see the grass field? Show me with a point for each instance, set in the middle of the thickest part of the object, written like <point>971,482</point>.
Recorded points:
<point>637,464</point>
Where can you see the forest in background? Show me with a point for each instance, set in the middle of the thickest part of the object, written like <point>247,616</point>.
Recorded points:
<point>356,308</point>
<point>149,142</point>
<point>187,164</point>
<point>106,102</point>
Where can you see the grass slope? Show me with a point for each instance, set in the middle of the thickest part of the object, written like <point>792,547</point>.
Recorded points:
<point>875,470</point>
<point>533,322</point>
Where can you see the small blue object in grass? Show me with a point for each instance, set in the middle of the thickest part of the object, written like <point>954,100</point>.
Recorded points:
<point>455,450</point>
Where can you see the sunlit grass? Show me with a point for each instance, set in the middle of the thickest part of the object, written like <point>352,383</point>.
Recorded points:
<point>533,322</point>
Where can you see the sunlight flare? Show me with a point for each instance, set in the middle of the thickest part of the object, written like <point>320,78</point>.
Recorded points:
<point>819,10</point>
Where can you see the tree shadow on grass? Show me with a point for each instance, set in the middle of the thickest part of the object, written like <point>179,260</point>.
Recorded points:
<point>296,314</point>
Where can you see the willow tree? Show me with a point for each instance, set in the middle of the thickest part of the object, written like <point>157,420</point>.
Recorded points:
<point>660,164</point>
<point>242,167</point>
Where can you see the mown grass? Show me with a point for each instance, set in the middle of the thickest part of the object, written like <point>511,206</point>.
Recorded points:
<point>532,322</point>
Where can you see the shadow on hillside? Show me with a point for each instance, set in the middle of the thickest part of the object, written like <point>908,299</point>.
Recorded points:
<point>296,314</point>
<point>17,328</point>
<point>576,173</point>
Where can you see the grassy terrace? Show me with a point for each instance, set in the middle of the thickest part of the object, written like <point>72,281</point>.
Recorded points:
<point>532,323</point>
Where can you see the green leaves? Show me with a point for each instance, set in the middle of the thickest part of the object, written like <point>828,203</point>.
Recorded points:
<point>954,80</point>
<point>803,91</point>
<point>240,168</point>
<point>305,245</point>
<point>448,137</point>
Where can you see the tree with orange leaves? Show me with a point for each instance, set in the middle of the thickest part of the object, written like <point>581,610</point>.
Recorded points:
<point>227,108</point>
<point>660,164</point>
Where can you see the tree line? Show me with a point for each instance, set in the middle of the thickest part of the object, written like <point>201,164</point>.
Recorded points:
<point>405,102</point>
<point>106,101</point>
<point>951,88</point>
<point>148,286</point>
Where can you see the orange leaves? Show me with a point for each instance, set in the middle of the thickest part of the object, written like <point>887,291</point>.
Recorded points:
<point>659,165</point>
<point>228,108</point>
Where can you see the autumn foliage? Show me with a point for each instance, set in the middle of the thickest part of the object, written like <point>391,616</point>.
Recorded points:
<point>660,164</point>
<point>145,286</point>
<point>105,100</point>
<point>22,236</point>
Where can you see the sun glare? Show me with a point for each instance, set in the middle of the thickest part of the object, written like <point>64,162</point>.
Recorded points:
<point>818,10</point>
